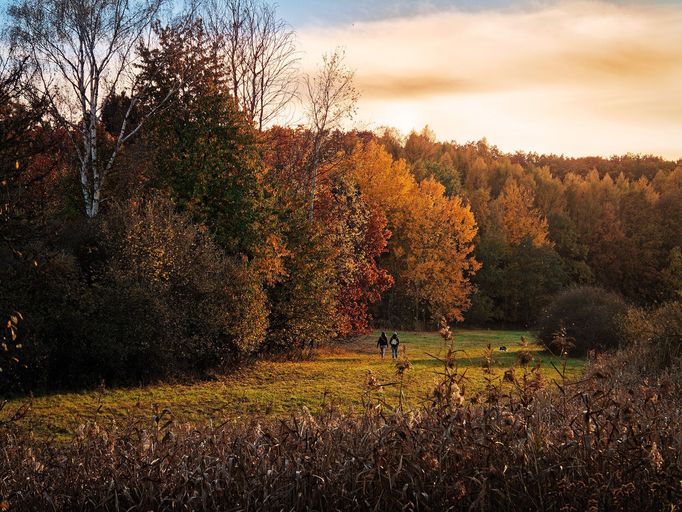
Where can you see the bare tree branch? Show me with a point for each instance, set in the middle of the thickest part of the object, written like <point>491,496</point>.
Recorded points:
<point>81,49</point>
<point>259,53</point>
<point>330,99</point>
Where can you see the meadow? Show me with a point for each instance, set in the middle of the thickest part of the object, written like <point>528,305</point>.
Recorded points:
<point>609,440</point>
<point>277,388</point>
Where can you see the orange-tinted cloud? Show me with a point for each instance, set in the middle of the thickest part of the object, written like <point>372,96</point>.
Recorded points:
<point>559,77</point>
<point>395,86</point>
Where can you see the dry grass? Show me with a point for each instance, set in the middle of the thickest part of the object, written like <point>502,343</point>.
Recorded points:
<point>607,442</point>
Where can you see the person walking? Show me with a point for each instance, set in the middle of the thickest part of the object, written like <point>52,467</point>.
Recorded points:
<point>382,343</point>
<point>394,345</point>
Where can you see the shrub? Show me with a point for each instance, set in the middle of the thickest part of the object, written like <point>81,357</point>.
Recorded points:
<point>588,315</point>
<point>141,294</point>
<point>657,331</point>
<point>213,306</point>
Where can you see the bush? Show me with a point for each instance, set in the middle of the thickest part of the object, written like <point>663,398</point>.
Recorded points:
<point>589,315</point>
<point>142,294</point>
<point>213,308</point>
<point>657,331</point>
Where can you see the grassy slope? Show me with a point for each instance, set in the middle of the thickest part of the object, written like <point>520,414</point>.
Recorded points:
<point>276,387</point>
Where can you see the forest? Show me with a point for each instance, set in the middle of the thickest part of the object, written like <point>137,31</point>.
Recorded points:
<point>159,220</point>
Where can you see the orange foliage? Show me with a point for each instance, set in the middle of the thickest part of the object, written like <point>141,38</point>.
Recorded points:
<point>518,218</point>
<point>359,235</point>
<point>430,253</point>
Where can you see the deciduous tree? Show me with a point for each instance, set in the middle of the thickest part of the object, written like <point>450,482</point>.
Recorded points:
<point>517,216</point>
<point>258,51</point>
<point>430,251</point>
<point>83,51</point>
<point>330,98</point>
<point>359,236</point>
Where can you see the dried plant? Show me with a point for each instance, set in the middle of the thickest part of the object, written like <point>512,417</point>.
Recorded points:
<point>524,356</point>
<point>488,359</point>
<point>401,366</point>
<point>444,330</point>
<point>610,441</point>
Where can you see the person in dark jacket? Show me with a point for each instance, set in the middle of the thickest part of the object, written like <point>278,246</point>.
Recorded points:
<point>394,345</point>
<point>382,343</point>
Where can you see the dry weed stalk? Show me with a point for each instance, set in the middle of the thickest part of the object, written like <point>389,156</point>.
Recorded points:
<point>610,441</point>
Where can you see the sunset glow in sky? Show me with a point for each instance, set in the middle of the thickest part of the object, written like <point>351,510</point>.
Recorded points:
<point>579,78</point>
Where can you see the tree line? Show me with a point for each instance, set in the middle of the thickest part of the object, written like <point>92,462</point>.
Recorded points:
<point>549,222</point>
<point>156,221</point>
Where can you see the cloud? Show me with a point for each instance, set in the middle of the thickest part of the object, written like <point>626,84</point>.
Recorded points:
<point>575,68</point>
<point>396,86</point>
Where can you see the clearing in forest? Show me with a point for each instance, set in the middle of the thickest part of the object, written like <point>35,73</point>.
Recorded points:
<point>276,388</point>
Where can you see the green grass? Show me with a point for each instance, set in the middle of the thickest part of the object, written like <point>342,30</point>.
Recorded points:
<point>277,388</point>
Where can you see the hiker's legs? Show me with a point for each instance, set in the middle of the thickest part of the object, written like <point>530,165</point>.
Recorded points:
<point>382,349</point>
<point>394,352</point>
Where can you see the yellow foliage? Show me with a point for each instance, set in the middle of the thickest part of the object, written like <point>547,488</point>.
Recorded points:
<point>517,216</point>
<point>269,259</point>
<point>432,243</point>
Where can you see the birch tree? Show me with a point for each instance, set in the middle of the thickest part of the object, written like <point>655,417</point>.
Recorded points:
<point>83,51</point>
<point>330,98</point>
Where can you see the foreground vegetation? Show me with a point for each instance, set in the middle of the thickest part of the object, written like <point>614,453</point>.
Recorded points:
<point>609,441</point>
<point>277,388</point>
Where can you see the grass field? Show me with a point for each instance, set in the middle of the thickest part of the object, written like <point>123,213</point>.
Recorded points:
<point>276,388</point>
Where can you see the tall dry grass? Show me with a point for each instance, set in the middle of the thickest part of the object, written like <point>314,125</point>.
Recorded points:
<point>608,442</point>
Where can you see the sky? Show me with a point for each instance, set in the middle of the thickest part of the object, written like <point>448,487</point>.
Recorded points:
<point>567,77</point>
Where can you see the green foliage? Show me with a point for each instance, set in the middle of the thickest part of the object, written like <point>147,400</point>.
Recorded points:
<point>516,281</point>
<point>205,150</point>
<point>303,304</point>
<point>442,171</point>
<point>588,316</point>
